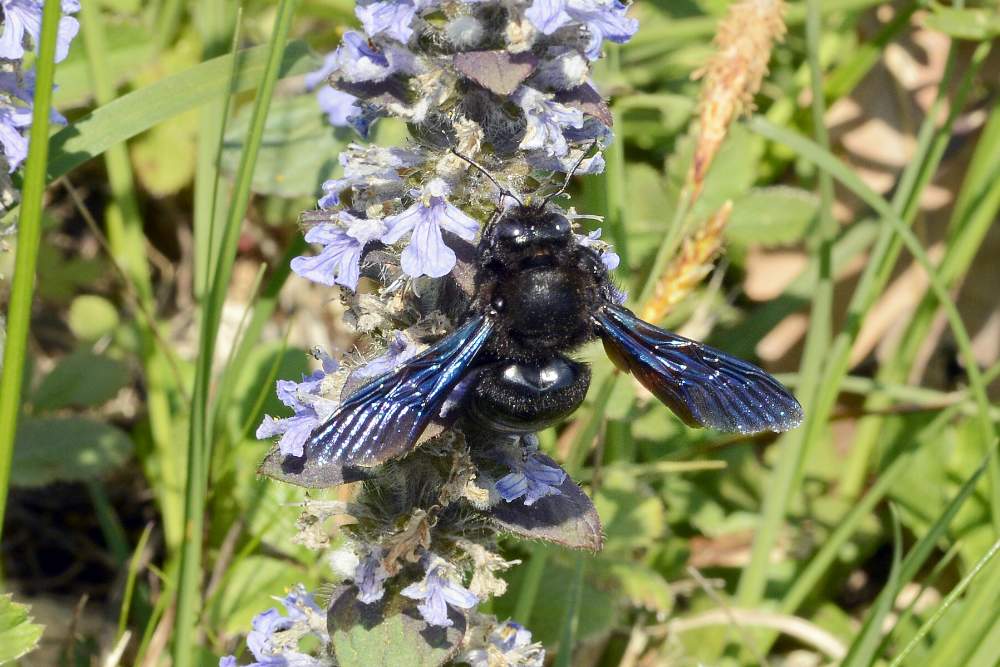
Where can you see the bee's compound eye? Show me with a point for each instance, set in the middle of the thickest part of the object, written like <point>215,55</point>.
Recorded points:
<point>512,232</point>
<point>561,226</point>
<point>498,304</point>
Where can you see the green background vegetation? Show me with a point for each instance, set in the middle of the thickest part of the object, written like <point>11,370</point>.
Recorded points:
<point>165,217</point>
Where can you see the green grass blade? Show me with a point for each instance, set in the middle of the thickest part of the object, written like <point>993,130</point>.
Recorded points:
<point>877,272</point>
<point>199,446</point>
<point>946,604</point>
<point>916,558</point>
<point>828,162</point>
<point>127,244</point>
<point>862,651</point>
<point>219,29</point>
<point>130,579</point>
<point>571,617</point>
<point>262,310</point>
<point>976,614</point>
<point>138,111</point>
<point>28,237</point>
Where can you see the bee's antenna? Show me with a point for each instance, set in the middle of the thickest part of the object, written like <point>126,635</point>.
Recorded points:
<point>569,176</point>
<point>504,191</point>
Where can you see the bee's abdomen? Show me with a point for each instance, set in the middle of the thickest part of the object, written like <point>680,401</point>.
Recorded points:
<point>514,397</point>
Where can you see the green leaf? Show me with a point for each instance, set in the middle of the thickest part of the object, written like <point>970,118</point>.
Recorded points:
<point>66,449</point>
<point>633,517</point>
<point>136,112</point>
<point>129,47</point>
<point>298,151</point>
<point>641,585</point>
<point>599,606</point>
<point>390,633</point>
<point>80,379</point>
<point>969,23</point>
<point>91,317</point>
<point>164,157</point>
<point>64,275</point>
<point>18,635</point>
<point>771,216</point>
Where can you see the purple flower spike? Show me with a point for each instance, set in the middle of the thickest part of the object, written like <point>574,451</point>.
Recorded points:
<point>309,407</point>
<point>389,17</point>
<point>438,593</point>
<point>297,602</point>
<point>530,478</point>
<point>426,254</point>
<point>370,578</point>
<point>15,145</point>
<point>546,121</point>
<point>509,644</point>
<point>337,105</point>
<point>368,168</point>
<point>339,263</point>
<point>265,651</point>
<point>357,61</point>
<point>401,349</point>
<point>24,18</point>
<point>603,19</point>
<point>547,15</point>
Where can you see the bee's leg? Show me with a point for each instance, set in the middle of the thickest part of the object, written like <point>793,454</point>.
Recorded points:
<point>520,397</point>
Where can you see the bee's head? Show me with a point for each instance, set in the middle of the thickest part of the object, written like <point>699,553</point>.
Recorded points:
<point>528,236</point>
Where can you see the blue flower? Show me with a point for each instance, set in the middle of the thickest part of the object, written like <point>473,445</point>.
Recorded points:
<point>304,617</point>
<point>603,19</point>
<point>13,120</point>
<point>17,91</point>
<point>530,477</point>
<point>339,263</point>
<point>426,254</point>
<point>369,167</point>
<point>267,652</point>
<point>299,604</point>
<point>338,106</point>
<point>591,165</point>
<point>23,18</point>
<point>309,407</point>
<point>358,61</point>
<point>546,120</point>
<point>391,17</point>
<point>401,349</point>
<point>438,593</point>
<point>609,258</point>
<point>370,578</point>
<point>509,644</point>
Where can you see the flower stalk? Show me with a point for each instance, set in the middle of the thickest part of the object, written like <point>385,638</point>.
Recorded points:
<point>501,107</point>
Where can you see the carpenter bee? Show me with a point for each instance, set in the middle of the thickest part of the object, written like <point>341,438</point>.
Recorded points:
<point>539,295</point>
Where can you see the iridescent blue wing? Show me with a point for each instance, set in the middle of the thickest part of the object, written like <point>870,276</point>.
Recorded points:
<point>384,419</point>
<point>702,385</point>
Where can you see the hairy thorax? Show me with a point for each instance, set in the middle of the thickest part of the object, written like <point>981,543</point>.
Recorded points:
<point>545,310</point>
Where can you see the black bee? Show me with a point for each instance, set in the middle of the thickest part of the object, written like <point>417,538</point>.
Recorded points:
<point>539,295</point>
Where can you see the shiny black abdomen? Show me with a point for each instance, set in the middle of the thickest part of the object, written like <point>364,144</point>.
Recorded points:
<point>516,397</point>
